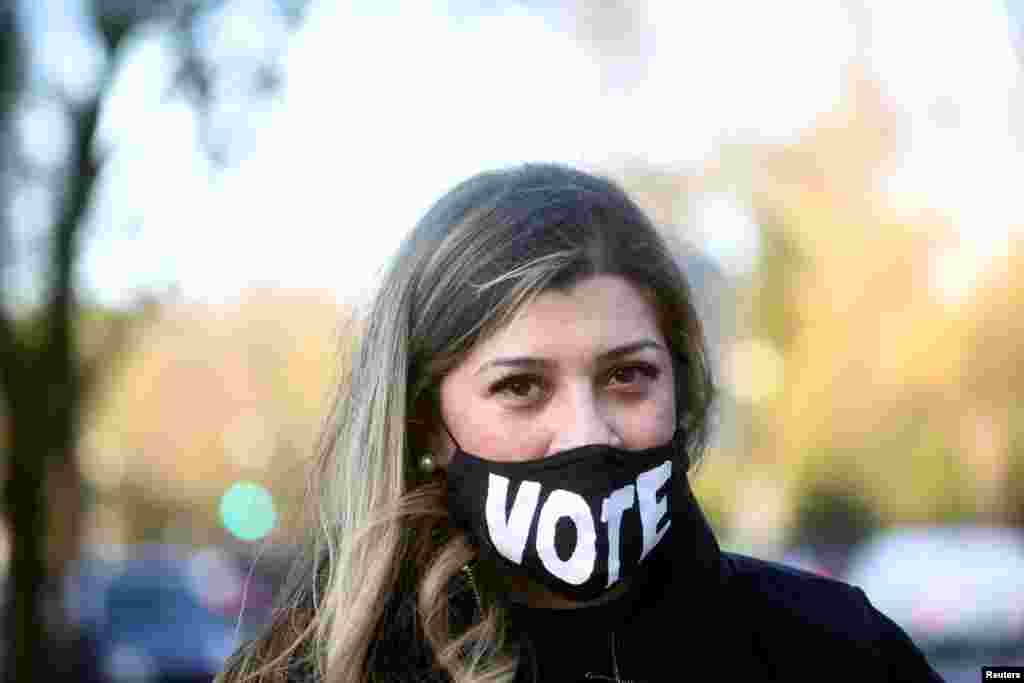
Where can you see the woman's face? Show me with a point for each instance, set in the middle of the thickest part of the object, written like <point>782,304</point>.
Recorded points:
<point>585,366</point>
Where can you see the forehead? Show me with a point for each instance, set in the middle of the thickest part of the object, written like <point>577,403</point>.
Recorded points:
<point>596,314</point>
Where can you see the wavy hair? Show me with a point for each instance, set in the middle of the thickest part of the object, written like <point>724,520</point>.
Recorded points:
<point>482,252</point>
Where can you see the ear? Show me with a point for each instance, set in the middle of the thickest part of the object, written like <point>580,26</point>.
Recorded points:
<point>441,447</point>
<point>429,437</point>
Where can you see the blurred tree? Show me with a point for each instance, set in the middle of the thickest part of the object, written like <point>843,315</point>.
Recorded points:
<point>833,511</point>
<point>878,368</point>
<point>43,376</point>
<point>993,380</point>
<point>1013,490</point>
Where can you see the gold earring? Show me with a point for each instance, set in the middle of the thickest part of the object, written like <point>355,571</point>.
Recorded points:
<point>427,464</point>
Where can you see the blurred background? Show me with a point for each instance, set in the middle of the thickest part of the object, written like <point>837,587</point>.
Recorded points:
<point>196,196</point>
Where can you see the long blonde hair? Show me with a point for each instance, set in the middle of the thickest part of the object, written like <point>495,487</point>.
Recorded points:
<point>483,251</point>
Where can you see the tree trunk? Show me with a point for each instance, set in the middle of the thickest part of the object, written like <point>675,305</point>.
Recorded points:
<point>40,381</point>
<point>24,498</point>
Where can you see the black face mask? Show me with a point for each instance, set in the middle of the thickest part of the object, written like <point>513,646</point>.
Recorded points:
<point>578,522</point>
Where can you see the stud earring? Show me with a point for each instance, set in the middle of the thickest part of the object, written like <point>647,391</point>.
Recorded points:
<point>427,464</point>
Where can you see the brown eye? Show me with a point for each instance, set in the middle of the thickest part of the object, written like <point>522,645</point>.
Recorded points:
<point>633,375</point>
<point>521,388</point>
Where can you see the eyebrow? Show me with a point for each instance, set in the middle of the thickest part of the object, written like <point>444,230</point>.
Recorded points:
<point>611,354</point>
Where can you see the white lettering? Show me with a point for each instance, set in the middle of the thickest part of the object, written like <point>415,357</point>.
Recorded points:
<point>580,564</point>
<point>509,535</point>
<point>611,514</point>
<point>652,509</point>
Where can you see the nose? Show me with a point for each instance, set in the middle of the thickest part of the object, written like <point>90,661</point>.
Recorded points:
<point>584,421</point>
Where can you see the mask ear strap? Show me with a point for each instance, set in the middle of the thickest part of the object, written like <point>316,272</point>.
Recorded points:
<point>450,435</point>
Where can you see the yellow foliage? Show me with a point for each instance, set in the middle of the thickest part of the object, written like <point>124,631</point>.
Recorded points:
<point>207,395</point>
<point>876,361</point>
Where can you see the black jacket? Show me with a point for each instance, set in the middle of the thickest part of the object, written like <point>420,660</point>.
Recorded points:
<point>702,615</point>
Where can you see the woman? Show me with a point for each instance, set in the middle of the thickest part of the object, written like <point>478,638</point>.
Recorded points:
<point>503,484</point>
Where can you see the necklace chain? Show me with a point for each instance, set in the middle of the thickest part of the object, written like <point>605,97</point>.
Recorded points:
<point>615,663</point>
<point>615,678</point>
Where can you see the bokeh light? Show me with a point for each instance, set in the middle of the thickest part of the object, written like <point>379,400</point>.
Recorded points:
<point>247,511</point>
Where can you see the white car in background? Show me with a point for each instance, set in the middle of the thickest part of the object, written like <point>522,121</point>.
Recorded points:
<point>958,591</point>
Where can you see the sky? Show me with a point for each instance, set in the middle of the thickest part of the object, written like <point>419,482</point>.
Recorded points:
<point>383,110</point>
